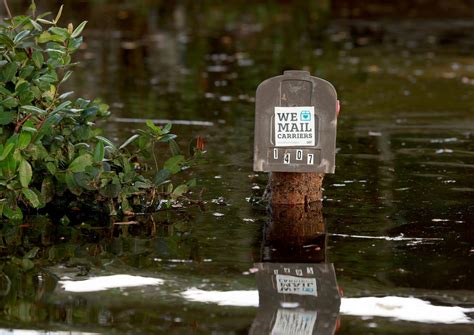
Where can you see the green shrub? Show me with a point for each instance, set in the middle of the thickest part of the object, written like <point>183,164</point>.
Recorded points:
<point>51,154</point>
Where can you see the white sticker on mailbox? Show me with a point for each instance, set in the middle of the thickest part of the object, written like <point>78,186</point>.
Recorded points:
<point>296,285</point>
<point>294,126</point>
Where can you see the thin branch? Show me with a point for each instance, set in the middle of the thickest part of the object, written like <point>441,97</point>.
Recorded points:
<point>21,123</point>
<point>125,223</point>
<point>9,13</point>
<point>154,156</point>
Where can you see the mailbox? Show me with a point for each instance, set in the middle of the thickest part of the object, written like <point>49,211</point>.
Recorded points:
<point>295,124</point>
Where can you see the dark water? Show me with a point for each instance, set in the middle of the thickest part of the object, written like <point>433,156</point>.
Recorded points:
<point>398,212</point>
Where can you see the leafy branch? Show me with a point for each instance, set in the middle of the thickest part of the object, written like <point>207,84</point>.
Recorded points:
<point>51,154</point>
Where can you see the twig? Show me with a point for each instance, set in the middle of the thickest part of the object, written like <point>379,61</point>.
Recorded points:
<point>126,223</point>
<point>21,123</point>
<point>9,13</point>
<point>153,227</point>
<point>154,156</point>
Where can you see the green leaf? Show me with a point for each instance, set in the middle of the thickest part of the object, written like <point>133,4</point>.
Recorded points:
<point>24,140</point>
<point>44,21</point>
<point>55,53</point>
<point>13,213</point>
<point>29,129</point>
<point>58,16</point>
<point>99,152</point>
<point>26,173</point>
<point>179,191</point>
<point>32,253</point>
<point>8,71</point>
<point>7,117</point>
<point>5,40</point>
<point>45,36</point>
<point>47,125</point>
<point>124,203</point>
<point>80,163</point>
<point>82,103</point>
<point>61,107</point>
<point>167,128</point>
<point>47,189</point>
<point>106,142</point>
<point>111,191</point>
<point>83,180</point>
<point>51,168</point>
<point>167,138</point>
<point>72,185</point>
<point>65,95</point>
<point>142,185</point>
<point>174,163</point>
<point>6,151</point>
<point>78,30</point>
<point>38,59</point>
<point>162,176</point>
<point>26,97</point>
<point>156,130</point>
<point>4,91</point>
<point>21,86</point>
<point>27,264</point>
<point>13,139</point>
<point>50,77</point>
<point>174,148</point>
<point>9,102</point>
<point>36,25</point>
<point>26,72</point>
<point>11,165</point>
<point>59,31</point>
<point>20,36</point>
<point>33,7</point>
<point>66,76</point>
<point>33,109</point>
<point>130,140</point>
<point>191,182</point>
<point>31,197</point>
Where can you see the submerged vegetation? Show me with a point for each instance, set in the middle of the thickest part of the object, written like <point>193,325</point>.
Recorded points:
<point>52,157</point>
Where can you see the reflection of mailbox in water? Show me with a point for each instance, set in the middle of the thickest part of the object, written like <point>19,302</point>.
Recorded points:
<point>296,298</point>
<point>295,124</point>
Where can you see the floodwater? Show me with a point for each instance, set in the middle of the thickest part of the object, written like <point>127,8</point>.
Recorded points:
<point>394,232</point>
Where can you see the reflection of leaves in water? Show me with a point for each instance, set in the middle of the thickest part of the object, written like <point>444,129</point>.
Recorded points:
<point>34,257</point>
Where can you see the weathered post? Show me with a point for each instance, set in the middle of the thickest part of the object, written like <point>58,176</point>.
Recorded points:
<point>295,233</point>
<point>295,135</point>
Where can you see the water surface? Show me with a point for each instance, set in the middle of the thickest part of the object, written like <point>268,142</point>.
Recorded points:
<point>398,212</point>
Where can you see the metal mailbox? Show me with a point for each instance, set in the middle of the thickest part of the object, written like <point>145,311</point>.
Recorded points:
<point>295,124</point>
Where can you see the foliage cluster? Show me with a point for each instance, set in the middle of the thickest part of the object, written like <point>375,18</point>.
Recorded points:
<point>51,153</point>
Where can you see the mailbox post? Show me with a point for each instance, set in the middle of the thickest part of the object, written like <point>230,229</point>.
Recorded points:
<point>295,135</point>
